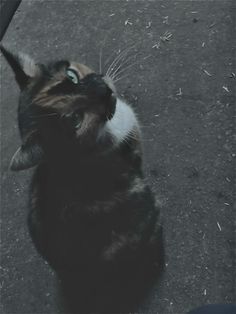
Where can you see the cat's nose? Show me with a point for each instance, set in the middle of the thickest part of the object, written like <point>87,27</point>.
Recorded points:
<point>99,87</point>
<point>102,90</point>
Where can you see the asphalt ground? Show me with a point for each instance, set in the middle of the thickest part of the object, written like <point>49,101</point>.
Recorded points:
<point>183,90</point>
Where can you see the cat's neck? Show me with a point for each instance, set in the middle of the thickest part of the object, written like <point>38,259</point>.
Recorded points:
<point>92,178</point>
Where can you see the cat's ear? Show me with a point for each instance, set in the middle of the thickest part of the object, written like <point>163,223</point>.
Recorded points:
<point>22,65</point>
<point>28,155</point>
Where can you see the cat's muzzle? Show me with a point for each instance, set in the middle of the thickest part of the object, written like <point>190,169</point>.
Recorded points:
<point>111,108</point>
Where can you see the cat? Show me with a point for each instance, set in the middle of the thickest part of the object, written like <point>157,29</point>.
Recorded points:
<point>92,215</point>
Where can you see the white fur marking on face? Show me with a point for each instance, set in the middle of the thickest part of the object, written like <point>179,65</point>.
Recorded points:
<point>110,83</point>
<point>123,123</point>
<point>28,65</point>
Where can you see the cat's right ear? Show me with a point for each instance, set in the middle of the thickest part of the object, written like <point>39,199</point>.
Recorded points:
<point>30,154</point>
<point>22,65</point>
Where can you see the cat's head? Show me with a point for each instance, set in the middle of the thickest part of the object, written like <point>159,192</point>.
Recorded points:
<point>62,105</point>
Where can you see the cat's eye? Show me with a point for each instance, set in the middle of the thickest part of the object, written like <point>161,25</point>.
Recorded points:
<point>72,75</point>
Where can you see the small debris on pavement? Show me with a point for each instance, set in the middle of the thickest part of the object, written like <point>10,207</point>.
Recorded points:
<point>213,24</point>
<point>166,36</point>
<point>180,93</point>
<point>227,204</point>
<point>146,57</point>
<point>226,89</point>
<point>149,25</point>
<point>204,292</point>
<point>112,14</point>
<point>203,44</point>
<point>232,75</point>
<point>127,22</point>
<point>166,20</point>
<point>207,73</point>
<point>157,45</point>
<point>219,226</point>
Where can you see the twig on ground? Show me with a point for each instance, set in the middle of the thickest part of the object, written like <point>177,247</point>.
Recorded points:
<point>226,89</point>
<point>207,73</point>
<point>180,93</point>
<point>219,226</point>
<point>127,22</point>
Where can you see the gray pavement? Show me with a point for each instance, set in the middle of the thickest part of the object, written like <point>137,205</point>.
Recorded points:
<point>183,90</point>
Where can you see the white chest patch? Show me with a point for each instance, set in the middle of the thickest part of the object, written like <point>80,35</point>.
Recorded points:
<point>123,123</point>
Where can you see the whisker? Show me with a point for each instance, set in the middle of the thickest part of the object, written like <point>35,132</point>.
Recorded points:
<point>117,59</point>
<point>109,58</point>
<point>123,70</point>
<point>121,51</point>
<point>101,52</point>
<point>122,64</point>
<point>100,61</point>
<point>120,78</point>
<point>129,136</point>
<point>116,77</point>
<point>114,62</point>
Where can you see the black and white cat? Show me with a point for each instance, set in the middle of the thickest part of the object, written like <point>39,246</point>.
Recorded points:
<point>92,216</point>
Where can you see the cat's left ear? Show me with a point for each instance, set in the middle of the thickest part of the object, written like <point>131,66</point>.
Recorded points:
<point>30,154</point>
<point>22,65</point>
